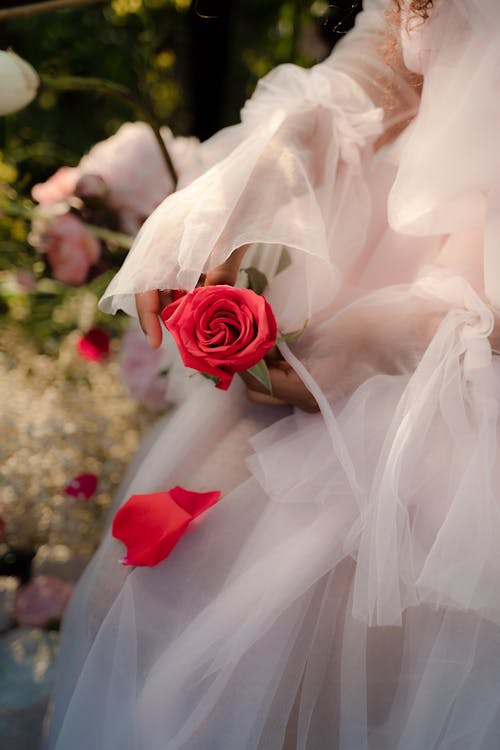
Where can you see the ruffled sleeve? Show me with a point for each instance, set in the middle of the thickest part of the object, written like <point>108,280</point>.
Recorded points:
<point>448,176</point>
<point>290,171</point>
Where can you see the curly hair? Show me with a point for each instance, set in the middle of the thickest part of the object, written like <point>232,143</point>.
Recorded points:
<point>418,7</point>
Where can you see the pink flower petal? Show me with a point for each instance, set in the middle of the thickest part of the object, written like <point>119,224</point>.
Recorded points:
<point>43,599</point>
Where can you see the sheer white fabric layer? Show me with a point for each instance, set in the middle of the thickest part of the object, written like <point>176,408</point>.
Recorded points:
<point>343,595</point>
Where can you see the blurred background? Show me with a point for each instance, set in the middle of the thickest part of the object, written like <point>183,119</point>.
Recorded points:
<point>78,388</point>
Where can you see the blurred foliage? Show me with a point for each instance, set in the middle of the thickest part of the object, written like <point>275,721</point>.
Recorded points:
<point>160,49</point>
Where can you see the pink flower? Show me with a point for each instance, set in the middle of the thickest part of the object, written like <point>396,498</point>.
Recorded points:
<point>70,249</point>
<point>221,330</point>
<point>93,345</point>
<point>25,280</point>
<point>131,165</point>
<point>151,525</point>
<point>58,187</point>
<point>127,171</point>
<point>144,370</point>
<point>41,601</point>
<point>82,487</point>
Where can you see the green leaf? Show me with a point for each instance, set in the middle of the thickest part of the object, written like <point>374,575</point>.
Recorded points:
<point>284,261</point>
<point>292,335</point>
<point>208,377</point>
<point>261,373</point>
<point>257,281</point>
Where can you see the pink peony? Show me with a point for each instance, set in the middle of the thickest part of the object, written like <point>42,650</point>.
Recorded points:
<point>127,171</point>
<point>70,248</point>
<point>143,370</point>
<point>58,187</point>
<point>41,601</point>
<point>93,345</point>
<point>131,165</point>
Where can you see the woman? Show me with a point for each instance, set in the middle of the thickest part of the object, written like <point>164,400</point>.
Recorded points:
<point>343,593</point>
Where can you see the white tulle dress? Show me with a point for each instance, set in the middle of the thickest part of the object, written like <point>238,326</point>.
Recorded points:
<point>345,592</point>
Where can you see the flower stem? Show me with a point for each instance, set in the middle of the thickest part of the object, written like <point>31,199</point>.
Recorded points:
<point>122,94</point>
<point>24,211</point>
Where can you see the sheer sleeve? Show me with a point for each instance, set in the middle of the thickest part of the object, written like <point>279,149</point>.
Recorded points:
<point>372,56</point>
<point>291,174</point>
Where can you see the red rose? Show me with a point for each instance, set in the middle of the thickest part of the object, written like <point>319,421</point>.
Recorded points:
<point>220,330</point>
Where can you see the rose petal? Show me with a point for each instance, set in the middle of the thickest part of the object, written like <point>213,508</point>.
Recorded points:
<point>93,345</point>
<point>151,525</point>
<point>82,487</point>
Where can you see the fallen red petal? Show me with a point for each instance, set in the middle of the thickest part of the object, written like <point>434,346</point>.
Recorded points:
<point>93,345</point>
<point>150,525</point>
<point>82,487</point>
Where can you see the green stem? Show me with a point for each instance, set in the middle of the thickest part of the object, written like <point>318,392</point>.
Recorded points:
<point>109,235</point>
<point>28,213</point>
<point>122,94</point>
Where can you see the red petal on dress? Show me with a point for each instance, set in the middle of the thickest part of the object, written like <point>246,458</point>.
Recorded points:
<point>151,525</point>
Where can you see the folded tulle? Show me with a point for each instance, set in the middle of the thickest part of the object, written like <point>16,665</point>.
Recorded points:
<point>411,457</point>
<point>292,177</point>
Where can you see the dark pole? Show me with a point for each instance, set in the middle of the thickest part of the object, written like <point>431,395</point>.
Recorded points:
<point>208,63</point>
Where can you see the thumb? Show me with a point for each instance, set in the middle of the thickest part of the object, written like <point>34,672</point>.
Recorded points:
<point>227,272</point>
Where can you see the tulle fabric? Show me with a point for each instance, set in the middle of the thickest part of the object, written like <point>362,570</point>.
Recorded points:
<point>302,138</point>
<point>448,181</point>
<point>343,594</point>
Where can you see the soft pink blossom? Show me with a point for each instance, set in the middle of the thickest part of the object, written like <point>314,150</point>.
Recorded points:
<point>131,165</point>
<point>41,601</point>
<point>58,187</point>
<point>133,174</point>
<point>25,280</point>
<point>144,370</point>
<point>93,345</point>
<point>70,248</point>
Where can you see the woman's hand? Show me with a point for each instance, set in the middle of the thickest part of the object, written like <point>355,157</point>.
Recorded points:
<point>150,304</point>
<point>287,387</point>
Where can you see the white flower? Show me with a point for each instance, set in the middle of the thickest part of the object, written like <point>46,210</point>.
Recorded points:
<point>19,82</point>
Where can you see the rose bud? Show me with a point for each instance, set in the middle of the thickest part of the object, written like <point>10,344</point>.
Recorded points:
<point>92,190</point>
<point>19,82</point>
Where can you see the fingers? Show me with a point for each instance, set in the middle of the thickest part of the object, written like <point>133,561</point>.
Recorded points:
<point>287,388</point>
<point>227,272</point>
<point>149,305</point>
<point>264,398</point>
